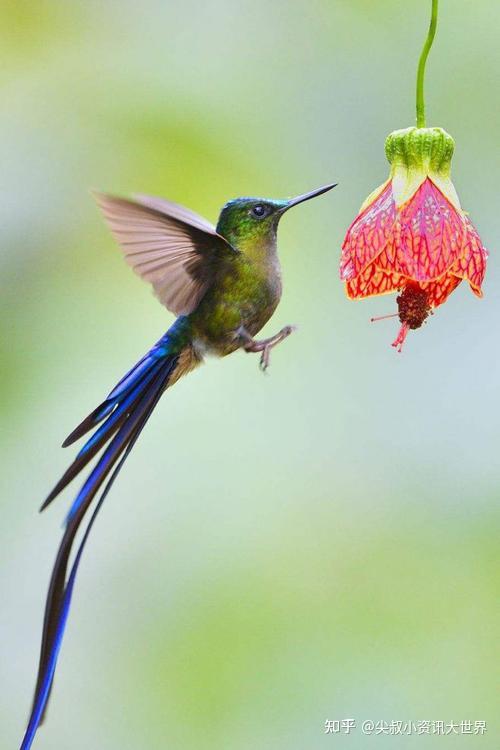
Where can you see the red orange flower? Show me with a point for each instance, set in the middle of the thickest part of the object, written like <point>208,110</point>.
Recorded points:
<point>411,234</point>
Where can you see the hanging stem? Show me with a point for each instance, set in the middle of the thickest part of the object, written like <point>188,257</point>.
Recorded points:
<point>421,66</point>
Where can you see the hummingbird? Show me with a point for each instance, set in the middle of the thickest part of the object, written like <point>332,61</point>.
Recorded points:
<point>223,283</point>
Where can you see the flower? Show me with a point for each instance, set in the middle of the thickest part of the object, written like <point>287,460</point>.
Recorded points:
<point>411,234</point>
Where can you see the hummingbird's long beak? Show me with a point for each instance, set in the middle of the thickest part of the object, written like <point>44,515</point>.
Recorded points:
<point>308,196</point>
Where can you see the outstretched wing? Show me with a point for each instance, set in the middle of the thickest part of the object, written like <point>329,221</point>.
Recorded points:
<point>166,244</point>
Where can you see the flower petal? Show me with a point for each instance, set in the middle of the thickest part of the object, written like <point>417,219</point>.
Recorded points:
<point>373,196</point>
<point>428,236</point>
<point>368,234</point>
<point>405,183</point>
<point>440,289</point>
<point>447,187</point>
<point>372,281</point>
<point>472,263</point>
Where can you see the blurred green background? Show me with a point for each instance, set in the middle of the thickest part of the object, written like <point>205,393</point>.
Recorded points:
<point>318,544</point>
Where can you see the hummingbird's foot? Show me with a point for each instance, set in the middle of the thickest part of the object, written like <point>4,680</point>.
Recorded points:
<point>265,345</point>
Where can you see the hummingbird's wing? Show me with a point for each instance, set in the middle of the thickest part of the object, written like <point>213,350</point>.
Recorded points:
<point>176,211</point>
<point>166,244</point>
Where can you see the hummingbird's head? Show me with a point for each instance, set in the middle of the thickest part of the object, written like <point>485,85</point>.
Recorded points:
<point>245,220</point>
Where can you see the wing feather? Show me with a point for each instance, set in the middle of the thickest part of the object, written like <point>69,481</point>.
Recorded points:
<point>176,211</point>
<point>166,244</point>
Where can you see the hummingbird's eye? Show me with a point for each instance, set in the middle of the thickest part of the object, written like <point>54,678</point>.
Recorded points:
<point>259,211</point>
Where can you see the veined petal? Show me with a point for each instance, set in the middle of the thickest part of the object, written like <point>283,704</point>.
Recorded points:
<point>471,265</point>
<point>405,182</point>
<point>373,281</point>
<point>439,290</point>
<point>428,236</point>
<point>374,195</point>
<point>447,187</point>
<point>368,234</point>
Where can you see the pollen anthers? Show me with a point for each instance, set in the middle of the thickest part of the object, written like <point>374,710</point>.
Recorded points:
<point>413,306</point>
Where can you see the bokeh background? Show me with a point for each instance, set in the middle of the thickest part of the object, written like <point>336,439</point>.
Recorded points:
<point>318,544</point>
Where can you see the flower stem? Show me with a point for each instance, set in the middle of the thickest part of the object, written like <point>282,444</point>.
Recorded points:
<point>421,65</point>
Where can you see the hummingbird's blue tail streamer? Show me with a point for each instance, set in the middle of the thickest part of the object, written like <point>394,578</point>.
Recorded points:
<point>127,408</point>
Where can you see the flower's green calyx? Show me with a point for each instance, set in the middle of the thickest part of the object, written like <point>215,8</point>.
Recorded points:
<point>429,149</point>
<point>417,153</point>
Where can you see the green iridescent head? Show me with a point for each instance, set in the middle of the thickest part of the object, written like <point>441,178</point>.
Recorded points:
<point>257,219</point>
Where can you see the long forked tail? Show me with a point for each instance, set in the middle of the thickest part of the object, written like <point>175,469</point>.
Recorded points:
<point>123,415</point>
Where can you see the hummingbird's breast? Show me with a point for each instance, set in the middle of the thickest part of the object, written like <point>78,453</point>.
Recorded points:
<point>246,293</point>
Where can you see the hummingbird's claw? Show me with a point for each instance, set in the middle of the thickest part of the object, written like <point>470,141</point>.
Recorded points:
<point>264,346</point>
<point>265,359</point>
